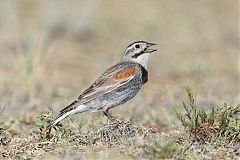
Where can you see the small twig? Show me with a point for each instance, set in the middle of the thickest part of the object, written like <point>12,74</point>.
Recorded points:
<point>35,143</point>
<point>196,83</point>
<point>2,106</point>
<point>75,124</point>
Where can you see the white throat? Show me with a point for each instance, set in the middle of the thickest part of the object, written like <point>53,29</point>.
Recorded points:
<point>142,59</point>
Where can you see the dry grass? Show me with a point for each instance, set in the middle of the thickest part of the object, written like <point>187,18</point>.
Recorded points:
<point>129,138</point>
<point>50,51</point>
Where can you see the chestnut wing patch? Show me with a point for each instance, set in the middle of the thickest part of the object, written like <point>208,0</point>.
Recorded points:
<point>111,79</point>
<point>125,74</point>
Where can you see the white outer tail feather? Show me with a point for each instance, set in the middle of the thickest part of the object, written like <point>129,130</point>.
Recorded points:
<point>79,109</point>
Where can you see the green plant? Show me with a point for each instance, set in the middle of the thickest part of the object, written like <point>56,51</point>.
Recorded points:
<point>220,122</point>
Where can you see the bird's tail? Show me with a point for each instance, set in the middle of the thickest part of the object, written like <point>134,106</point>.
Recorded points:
<point>69,110</point>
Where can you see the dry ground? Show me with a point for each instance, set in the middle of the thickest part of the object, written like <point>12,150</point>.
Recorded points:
<point>50,51</point>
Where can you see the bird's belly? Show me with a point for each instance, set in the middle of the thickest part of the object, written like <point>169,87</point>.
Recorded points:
<point>116,97</point>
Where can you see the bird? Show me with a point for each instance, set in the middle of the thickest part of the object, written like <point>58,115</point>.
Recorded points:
<point>117,85</point>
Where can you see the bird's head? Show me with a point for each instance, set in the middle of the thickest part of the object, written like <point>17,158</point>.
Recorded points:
<point>138,52</point>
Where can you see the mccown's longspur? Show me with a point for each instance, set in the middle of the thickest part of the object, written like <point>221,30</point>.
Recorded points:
<point>118,84</point>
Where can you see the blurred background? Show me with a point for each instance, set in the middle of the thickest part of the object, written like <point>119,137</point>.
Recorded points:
<point>50,51</point>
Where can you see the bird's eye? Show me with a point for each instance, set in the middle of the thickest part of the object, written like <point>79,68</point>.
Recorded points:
<point>137,46</point>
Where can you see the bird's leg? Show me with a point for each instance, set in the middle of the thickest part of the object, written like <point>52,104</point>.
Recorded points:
<point>109,115</point>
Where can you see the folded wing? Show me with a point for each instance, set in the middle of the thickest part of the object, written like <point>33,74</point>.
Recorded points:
<point>110,80</point>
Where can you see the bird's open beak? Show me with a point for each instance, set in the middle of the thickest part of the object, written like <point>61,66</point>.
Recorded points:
<point>149,50</point>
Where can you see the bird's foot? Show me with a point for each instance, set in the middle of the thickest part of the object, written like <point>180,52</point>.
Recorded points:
<point>110,117</point>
